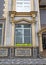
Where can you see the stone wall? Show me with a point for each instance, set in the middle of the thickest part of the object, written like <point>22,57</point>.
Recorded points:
<point>1,8</point>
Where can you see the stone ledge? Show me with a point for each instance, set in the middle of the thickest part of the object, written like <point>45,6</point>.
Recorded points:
<point>20,61</point>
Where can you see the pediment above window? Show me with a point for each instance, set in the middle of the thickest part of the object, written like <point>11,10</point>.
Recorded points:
<point>23,21</point>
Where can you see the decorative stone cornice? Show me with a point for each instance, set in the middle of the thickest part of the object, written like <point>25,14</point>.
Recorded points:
<point>23,19</point>
<point>12,13</point>
<point>32,13</point>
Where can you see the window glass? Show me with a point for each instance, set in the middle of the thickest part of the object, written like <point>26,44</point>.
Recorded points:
<point>18,25</point>
<point>0,34</point>
<point>18,32</point>
<point>26,39</point>
<point>0,25</point>
<point>27,26</point>
<point>18,39</point>
<point>23,33</point>
<point>26,32</point>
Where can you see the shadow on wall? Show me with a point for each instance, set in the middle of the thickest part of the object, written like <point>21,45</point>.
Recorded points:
<point>43,17</point>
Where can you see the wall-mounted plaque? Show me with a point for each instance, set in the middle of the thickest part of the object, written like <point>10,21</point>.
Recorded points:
<point>3,52</point>
<point>22,52</point>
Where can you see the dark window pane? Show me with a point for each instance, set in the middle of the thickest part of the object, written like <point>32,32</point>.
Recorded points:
<point>27,26</point>
<point>19,39</point>
<point>17,25</point>
<point>26,39</point>
<point>0,25</point>
<point>18,32</point>
<point>26,32</point>
<point>0,35</point>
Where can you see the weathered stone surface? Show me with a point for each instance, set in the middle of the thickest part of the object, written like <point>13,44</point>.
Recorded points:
<point>35,52</point>
<point>3,52</point>
<point>21,61</point>
<point>23,52</point>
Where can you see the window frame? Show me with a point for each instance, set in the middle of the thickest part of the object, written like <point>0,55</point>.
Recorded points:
<point>23,7</point>
<point>22,40</point>
<point>13,7</point>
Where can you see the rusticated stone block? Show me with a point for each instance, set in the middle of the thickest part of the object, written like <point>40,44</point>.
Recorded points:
<point>3,52</point>
<point>22,52</point>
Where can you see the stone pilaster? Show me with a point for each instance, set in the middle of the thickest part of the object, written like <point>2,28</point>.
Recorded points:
<point>33,32</point>
<point>33,35</point>
<point>14,5</point>
<point>32,5</point>
<point>40,43</point>
<point>12,39</point>
<point>35,49</point>
<point>5,16</point>
<point>13,26</point>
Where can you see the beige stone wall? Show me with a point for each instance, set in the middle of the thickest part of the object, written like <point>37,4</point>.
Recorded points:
<point>9,37</point>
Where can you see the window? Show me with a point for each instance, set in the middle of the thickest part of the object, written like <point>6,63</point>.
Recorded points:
<point>44,40</point>
<point>23,5</point>
<point>23,34</point>
<point>1,33</point>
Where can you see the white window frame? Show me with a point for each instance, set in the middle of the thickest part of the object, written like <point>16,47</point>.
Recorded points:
<point>23,6</point>
<point>13,7</point>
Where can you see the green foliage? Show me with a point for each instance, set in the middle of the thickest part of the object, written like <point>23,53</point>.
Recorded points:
<point>23,44</point>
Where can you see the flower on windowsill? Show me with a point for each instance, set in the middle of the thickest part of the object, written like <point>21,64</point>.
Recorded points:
<point>23,44</point>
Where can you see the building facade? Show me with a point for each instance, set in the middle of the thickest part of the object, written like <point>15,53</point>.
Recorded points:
<point>22,34</point>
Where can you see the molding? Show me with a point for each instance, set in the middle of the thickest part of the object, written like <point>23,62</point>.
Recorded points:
<point>19,13</point>
<point>42,31</point>
<point>40,38</point>
<point>17,46</point>
<point>24,19</point>
<point>23,13</point>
